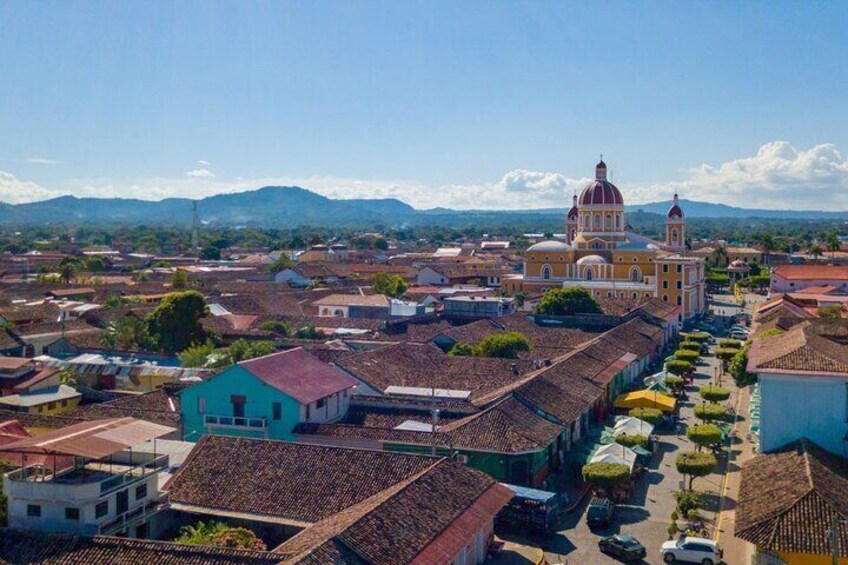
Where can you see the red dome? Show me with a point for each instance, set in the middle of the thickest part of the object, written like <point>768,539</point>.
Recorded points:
<point>601,192</point>
<point>572,214</point>
<point>675,212</point>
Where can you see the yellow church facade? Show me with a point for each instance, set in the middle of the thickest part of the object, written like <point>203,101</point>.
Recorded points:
<point>599,254</point>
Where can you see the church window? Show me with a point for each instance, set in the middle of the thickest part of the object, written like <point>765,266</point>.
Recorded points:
<point>665,298</point>
<point>597,221</point>
<point>679,300</point>
<point>617,221</point>
<point>588,274</point>
<point>635,274</point>
<point>633,296</point>
<point>546,272</point>
<point>609,294</point>
<point>635,259</point>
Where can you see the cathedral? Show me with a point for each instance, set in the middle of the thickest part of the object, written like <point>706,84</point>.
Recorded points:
<point>600,254</point>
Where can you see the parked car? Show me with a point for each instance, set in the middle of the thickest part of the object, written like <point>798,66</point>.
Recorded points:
<point>741,335</point>
<point>622,546</point>
<point>532,509</point>
<point>600,512</point>
<point>692,550</point>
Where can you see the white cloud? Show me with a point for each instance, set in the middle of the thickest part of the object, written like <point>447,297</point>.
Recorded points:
<point>42,161</point>
<point>14,190</point>
<point>777,176</point>
<point>203,163</point>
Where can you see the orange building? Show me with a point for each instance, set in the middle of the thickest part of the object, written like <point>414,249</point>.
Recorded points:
<point>600,255</point>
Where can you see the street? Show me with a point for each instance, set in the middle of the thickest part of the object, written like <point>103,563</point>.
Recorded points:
<point>647,514</point>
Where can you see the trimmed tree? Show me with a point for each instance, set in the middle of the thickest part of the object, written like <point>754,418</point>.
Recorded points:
<point>675,383</point>
<point>700,337</point>
<point>739,368</point>
<point>650,415</point>
<point>704,435</point>
<point>712,393</point>
<point>686,355</point>
<point>632,440</point>
<point>710,412</point>
<point>729,343</point>
<point>694,464</point>
<point>568,301</point>
<point>679,368</point>
<point>691,346</point>
<point>725,353</point>
<point>606,475</point>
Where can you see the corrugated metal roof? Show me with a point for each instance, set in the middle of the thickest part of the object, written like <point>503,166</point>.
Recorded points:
<point>95,439</point>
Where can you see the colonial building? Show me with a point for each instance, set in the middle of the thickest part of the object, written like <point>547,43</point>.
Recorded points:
<point>600,255</point>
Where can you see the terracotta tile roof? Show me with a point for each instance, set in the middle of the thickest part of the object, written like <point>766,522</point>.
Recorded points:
<point>818,348</point>
<point>156,406</point>
<point>509,426</point>
<point>278,479</point>
<point>788,499</point>
<point>65,549</point>
<point>425,365</point>
<point>564,405</point>
<point>13,363</point>
<point>427,518</point>
<point>546,342</point>
<point>373,300</point>
<point>807,272</point>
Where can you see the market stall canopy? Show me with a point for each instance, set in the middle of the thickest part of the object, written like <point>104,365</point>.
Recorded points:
<point>646,399</point>
<point>632,427</point>
<point>615,453</point>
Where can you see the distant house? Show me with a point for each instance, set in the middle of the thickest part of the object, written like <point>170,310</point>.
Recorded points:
<point>266,397</point>
<point>792,278</point>
<point>45,400</point>
<point>450,275</point>
<point>372,306</point>
<point>84,293</point>
<point>292,277</point>
<point>476,307</point>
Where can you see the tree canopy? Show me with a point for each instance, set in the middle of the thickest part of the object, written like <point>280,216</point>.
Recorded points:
<point>389,285</point>
<point>696,464</point>
<point>607,475</point>
<point>704,435</point>
<point>175,323</point>
<point>567,301</point>
<point>506,345</point>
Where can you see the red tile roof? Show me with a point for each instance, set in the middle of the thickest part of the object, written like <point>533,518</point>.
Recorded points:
<point>299,374</point>
<point>807,272</point>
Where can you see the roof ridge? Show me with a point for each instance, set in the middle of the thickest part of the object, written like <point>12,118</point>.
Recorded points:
<point>283,352</point>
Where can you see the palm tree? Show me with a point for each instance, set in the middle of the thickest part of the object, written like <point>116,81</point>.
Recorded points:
<point>720,252</point>
<point>833,244</point>
<point>769,245</point>
<point>68,268</point>
<point>816,251</point>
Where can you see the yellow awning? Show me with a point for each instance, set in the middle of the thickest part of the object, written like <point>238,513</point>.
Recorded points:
<point>646,399</point>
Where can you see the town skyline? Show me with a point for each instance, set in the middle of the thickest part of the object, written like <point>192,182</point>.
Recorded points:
<point>501,107</point>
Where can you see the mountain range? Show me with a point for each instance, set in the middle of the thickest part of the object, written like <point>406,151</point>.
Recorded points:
<point>290,206</point>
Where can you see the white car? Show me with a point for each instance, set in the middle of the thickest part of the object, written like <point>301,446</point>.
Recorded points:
<point>692,550</point>
<point>741,335</point>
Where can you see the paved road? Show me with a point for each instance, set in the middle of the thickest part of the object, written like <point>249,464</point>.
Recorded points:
<point>647,514</point>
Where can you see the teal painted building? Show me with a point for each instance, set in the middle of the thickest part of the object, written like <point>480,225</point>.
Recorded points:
<point>266,397</point>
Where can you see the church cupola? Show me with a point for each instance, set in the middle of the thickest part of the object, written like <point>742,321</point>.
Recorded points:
<point>601,170</point>
<point>675,228</point>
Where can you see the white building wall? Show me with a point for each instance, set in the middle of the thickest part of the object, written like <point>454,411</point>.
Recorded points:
<point>796,406</point>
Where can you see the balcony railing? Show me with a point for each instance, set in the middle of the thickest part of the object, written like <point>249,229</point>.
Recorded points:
<point>258,424</point>
<point>134,474</point>
<point>137,514</point>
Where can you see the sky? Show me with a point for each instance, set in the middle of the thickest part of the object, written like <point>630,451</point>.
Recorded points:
<point>486,105</point>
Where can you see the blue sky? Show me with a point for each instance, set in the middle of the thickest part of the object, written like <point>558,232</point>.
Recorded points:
<point>464,104</point>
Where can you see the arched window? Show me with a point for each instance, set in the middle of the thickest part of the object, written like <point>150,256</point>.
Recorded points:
<point>674,235</point>
<point>608,223</point>
<point>597,221</point>
<point>617,221</point>
<point>635,274</point>
<point>588,273</point>
<point>633,296</point>
<point>546,272</point>
<point>325,312</point>
<point>339,313</point>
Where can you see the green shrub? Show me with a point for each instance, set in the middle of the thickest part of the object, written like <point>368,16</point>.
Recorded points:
<point>729,343</point>
<point>710,412</point>
<point>688,500</point>
<point>677,367</point>
<point>739,368</point>
<point>712,393</point>
<point>691,346</point>
<point>650,415</point>
<point>632,441</point>
<point>505,345</point>
<point>686,355</point>
<point>607,475</point>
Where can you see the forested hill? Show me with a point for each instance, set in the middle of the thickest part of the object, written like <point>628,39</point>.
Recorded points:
<point>290,206</point>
